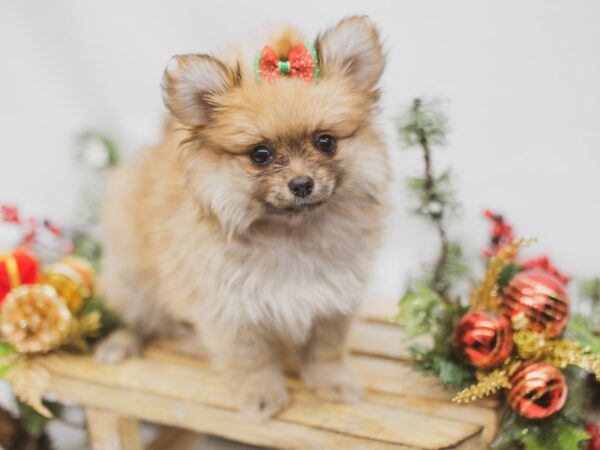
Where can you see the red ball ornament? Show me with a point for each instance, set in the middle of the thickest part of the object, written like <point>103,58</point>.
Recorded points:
<point>538,390</point>
<point>536,300</point>
<point>17,268</point>
<point>483,339</point>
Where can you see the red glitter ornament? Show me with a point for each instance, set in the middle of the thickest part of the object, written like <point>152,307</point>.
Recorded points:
<point>536,300</point>
<point>538,390</point>
<point>17,268</point>
<point>483,339</point>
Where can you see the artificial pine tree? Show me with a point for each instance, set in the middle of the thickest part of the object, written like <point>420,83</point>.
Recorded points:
<point>430,305</point>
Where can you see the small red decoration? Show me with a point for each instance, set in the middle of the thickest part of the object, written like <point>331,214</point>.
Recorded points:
<point>538,390</point>
<point>10,214</point>
<point>501,234</point>
<point>536,300</point>
<point>543,263</point>
<point>483,339</point>
<point>17,268</point>
<point>594,433</point>
<point>34,230</point>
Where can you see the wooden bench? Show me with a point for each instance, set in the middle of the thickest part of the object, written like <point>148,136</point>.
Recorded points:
<point>402,408</point>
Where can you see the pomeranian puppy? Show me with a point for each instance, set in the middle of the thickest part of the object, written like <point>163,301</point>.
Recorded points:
<point>256,219</point>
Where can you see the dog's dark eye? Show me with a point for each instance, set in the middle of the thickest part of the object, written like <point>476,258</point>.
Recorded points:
<point>326,143</point>
<point>261,155</point>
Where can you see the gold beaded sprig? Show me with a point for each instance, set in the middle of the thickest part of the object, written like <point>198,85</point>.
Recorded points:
<point>30,380</point>
<point>564,352</point>
<point>86,326</point>
<point>485,296</point>
<point>489,383</point>
<point>558,352</point>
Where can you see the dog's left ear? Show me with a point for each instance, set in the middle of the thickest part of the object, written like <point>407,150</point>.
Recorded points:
<point>352,48</point>
<point>191,85</point>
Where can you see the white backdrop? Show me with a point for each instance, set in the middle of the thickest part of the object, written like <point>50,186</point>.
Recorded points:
<point>522,80</point>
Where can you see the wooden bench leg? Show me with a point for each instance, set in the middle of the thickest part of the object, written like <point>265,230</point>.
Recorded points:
<point>170,438</point>
<point>109,431</point>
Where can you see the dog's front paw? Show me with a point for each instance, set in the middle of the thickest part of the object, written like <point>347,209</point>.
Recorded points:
<point>331,382</point>
<point>120,345</point>
<point>261,398</point>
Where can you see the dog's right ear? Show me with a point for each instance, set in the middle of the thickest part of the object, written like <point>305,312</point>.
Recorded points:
<point>352,48</point>
<point>191,84</point>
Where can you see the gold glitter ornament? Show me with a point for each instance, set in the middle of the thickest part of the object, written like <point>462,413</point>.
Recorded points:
<point>529,344</point>
<point>72,277</point>
<point>34,318</point>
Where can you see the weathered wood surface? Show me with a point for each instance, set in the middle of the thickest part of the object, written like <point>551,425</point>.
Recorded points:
<point>402,407</point>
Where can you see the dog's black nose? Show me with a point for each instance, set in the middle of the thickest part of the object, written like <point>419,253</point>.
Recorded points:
<point>301,186</point>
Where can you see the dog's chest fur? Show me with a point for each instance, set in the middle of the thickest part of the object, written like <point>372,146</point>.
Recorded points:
<point>281,277</point>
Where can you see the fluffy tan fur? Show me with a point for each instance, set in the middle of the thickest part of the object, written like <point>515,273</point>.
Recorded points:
<point>198,233</point>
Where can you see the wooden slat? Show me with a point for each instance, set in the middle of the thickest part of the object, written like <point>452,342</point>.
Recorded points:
<point>396,377</point>
<point>369,420</point>
<point>381,312</point>
<point>377,340</point>
<point>366,338</point>
<point>401,378</point>
<point>381,340</point>
<point>485,417</point>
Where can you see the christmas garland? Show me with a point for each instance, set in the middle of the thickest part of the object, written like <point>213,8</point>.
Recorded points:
<point>48,303</point>
<point>514,335</point>
<point>42,312</point>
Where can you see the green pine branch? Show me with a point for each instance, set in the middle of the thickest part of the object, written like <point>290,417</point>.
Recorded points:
<point>423,126</point>
<point>591,289</point>
<point>110,147</point>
